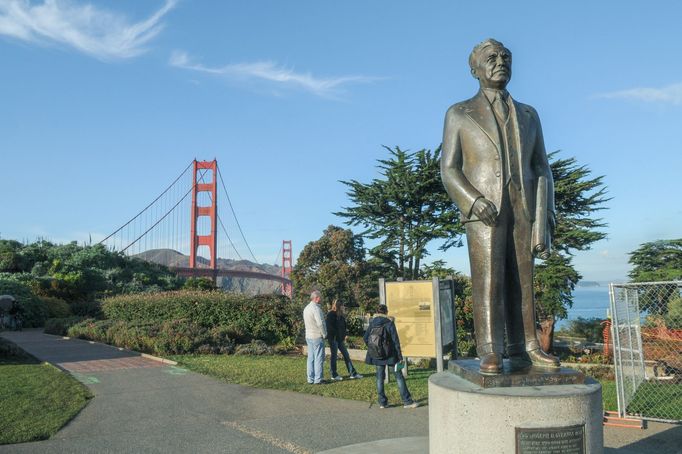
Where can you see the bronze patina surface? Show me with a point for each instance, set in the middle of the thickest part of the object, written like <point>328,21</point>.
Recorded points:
<point>468,369</point>
<point>495,169</point>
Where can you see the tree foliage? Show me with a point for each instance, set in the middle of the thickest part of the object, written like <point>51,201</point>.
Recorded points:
<point>657,261</point>
<point>577,197</point>
<point>78,273</point>
<point>335,265</point>
<point>406,208</point>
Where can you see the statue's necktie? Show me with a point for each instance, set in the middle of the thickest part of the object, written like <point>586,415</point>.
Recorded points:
<point>501,107</point>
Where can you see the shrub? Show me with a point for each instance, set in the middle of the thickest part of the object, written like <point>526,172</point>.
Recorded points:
<point>589,329</point>
<point>166,338</point>
<point>56,308</point>
<point>256,347</point>
<point>91,309</point>
<point>60,326</point>
<point>354,325</point>
<point>270,318</point>
<point>91,329</point>
<point>140,337</point>
<point>32,311</point>
<point>180,336</point>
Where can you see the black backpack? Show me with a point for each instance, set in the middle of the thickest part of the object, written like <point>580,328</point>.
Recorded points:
<point>379,342</point>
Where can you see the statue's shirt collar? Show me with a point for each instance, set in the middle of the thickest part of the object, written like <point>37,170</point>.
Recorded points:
<point>491,94</point>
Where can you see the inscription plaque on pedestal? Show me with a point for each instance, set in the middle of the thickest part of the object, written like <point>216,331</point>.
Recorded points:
<point>551,440</point>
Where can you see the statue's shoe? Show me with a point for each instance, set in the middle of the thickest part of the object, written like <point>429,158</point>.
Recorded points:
<point>491,363</point>
<point>542,359</point>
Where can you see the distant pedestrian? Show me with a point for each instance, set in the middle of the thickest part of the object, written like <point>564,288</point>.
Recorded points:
<point>336,335</point>
<point>315,333</point>
<point>383,349</point>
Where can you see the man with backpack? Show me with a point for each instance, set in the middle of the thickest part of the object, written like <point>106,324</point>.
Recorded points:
<point>383,349</point>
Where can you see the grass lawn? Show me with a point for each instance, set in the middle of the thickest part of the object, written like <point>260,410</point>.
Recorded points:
<point>657,400</point>
<point>608,395</point>
<point>289,373</point>
<point>36,399</point>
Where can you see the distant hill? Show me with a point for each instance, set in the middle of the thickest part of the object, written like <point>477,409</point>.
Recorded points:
<point>173,258</point>
<point>588,284</point>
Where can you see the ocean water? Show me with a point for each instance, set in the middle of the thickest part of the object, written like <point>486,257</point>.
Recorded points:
<point>588,302</point>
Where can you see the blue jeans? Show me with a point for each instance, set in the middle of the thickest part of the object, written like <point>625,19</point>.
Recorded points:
<point>402,386</point>
<point>335,347</point>
<point>315,359</point>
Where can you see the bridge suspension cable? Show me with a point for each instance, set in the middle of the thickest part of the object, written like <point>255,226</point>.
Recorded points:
<point>148,206</point>
<point>162,230</point>
<point>220,221</point>
<point>227,195</point>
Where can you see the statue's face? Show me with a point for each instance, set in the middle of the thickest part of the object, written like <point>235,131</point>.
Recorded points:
<point>494,67</point>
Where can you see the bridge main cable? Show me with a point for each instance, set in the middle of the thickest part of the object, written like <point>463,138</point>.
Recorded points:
<point>235,215</point>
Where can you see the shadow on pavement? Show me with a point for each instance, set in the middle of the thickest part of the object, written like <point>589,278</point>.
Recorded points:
<point>665,441</point>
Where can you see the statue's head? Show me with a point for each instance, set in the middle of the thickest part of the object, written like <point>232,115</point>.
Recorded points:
<point>490,63</point>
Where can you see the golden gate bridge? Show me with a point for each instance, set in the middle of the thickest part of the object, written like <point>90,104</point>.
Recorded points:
<point>187,230</point>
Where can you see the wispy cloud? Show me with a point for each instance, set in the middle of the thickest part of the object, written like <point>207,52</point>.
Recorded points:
<point>268,71</point>
<point>100,33</point>
<point>670,94</point>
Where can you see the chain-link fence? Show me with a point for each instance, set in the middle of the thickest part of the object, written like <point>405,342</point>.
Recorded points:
<point>647,349</point>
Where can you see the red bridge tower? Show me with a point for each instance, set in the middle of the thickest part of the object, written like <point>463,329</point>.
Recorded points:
<point>198,211</point>
<point>286,267</point>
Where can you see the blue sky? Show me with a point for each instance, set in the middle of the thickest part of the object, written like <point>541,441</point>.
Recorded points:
<point>102,104</point>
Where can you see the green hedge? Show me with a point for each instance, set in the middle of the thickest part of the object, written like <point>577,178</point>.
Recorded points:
<point>60,326</point>
<point>34,311</point>
<point>270,318</point>
<point>56,307</point>
<point>164,338</point>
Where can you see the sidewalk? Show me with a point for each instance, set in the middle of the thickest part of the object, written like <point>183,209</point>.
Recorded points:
<point>141,405</point>
<point>144,406</point>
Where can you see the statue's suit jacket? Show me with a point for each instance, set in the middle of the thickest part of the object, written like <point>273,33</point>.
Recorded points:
<point>472,155</point>
<point>473,166</point>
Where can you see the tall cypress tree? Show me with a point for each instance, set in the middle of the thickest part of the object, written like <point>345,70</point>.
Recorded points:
<point>577,198</point>
<point>406,208</point>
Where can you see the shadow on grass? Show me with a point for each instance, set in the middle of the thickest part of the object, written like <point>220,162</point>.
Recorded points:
<point>10,354</point>
<point>36,399</point>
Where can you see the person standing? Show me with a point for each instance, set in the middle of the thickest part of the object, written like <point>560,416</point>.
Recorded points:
<point>336,334</point>
<point>315,333</point>
<point>383,349</point>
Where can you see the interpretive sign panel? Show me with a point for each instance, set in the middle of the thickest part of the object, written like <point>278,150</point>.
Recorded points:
<point>411,304</point>
<point>551,440</point>
<point>424,315</point>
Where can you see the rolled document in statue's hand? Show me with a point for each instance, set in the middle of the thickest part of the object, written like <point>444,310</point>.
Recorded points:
<point>540,237</point>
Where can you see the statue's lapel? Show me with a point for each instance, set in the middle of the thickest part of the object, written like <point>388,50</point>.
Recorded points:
<point>522,116</point>
<point>480,112</point>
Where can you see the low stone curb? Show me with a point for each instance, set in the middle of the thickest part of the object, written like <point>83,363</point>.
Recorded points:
<point>355,353</point>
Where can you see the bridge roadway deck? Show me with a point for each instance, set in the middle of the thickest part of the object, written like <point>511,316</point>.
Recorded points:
<point>210,272</point>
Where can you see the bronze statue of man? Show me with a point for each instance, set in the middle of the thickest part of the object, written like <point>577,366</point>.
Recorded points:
<point>495,169</point>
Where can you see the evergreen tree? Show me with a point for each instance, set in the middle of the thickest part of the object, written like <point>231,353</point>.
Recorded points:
<point>657,261</point>
<point>577,198</point>
<point>406,208</point>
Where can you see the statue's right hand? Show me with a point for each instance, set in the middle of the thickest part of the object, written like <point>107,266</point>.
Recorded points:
<point>485,211</point>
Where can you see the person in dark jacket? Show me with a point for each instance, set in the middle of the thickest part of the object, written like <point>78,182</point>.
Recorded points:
<point>336,335</point>
<point>380,319</point>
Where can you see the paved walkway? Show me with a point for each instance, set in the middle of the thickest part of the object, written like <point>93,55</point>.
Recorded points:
<point>144,406</point>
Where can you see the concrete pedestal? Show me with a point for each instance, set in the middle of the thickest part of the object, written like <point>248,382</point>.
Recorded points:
<point>465,418</point>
